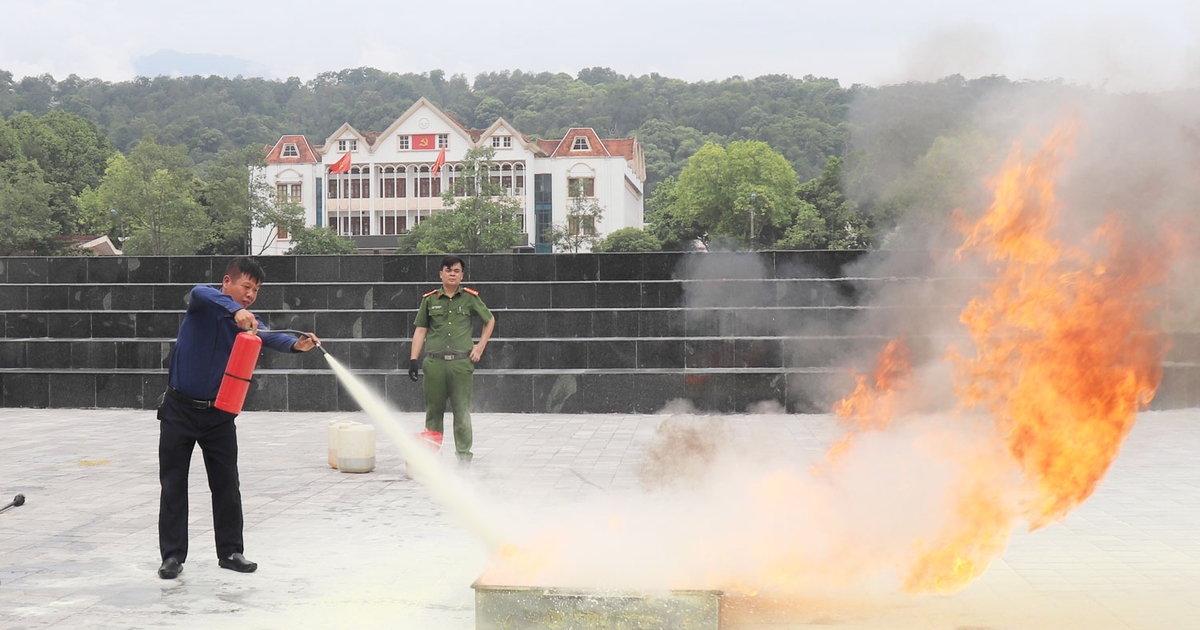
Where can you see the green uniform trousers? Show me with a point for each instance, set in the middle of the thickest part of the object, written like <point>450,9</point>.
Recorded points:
<point>452,380</point>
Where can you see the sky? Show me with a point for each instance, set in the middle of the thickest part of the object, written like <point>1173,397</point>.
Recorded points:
<point>1120,45</point>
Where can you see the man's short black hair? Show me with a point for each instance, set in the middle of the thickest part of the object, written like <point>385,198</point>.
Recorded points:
<point>246,266</point>
<point>450,261</point>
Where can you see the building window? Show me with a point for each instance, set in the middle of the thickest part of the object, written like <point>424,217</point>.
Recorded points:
<point>354,185</point>
<point>582,224</point>
<point>581,187</point>
<point>290,150</point>
<point>281,232</point>
<point>360,183</point>
<point>459,183</point>
<point>443,141</point>
<point>427,185</point>
<point>393,182</point>
<point>287,193</point>
<point>347,145</point>
<point>402,143</point>
<point>581,144</point>
<point>391,225</point>
<point>502,142</point>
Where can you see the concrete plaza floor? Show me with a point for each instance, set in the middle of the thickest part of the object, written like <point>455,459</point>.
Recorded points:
<point>376,551</point>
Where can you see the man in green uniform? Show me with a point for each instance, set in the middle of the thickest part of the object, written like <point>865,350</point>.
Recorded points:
<point>443,328</point>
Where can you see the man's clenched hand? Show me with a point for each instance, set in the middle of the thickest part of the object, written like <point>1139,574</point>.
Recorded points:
<point>246,321</point>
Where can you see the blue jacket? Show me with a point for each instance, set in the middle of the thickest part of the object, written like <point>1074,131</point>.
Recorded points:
<point>205,341</point>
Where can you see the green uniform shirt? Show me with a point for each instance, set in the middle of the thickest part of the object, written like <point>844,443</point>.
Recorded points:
<point>449,320</point>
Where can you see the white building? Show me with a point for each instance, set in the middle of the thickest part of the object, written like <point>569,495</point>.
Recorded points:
<point>389,187</point>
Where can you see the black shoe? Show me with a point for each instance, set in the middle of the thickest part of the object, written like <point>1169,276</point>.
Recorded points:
<point>238,562</point>
<point>170,569</point>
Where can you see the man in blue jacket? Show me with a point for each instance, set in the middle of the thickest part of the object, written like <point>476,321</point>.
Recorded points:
<point>187,416</point>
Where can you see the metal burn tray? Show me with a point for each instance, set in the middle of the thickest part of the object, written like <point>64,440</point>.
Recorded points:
<point>530,608</point>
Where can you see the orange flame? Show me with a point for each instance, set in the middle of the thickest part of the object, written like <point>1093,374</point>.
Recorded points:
<point>1065,351</point>
<point>1064,354</point>
<point>873,403</point>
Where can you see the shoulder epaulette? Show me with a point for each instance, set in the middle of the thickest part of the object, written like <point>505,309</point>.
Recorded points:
<point>430,293</point>
<point>471,291</point>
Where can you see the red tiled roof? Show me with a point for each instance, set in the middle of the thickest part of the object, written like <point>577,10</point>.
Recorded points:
<point>620,146</point>
<point>306,154</point>
<point>595,146</point>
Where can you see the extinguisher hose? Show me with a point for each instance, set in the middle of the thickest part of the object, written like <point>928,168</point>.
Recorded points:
<point>298,333</point>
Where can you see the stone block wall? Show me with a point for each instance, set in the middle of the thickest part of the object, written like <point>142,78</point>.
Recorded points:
<point>591,333</point>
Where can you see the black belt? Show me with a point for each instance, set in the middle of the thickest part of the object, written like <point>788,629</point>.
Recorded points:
<point>191,402</point>
<point>449,356</point>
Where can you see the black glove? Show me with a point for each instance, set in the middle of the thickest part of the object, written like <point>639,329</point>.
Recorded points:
<point>412,369</point>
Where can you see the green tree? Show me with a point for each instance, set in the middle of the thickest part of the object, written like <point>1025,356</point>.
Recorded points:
<point>488,110</point>
<point>583,221</point>
<point>808,232</point>
<point>71,152</point>
<point>729,191</point>
<point>25,220</point>
<point>667,147</point>
<point>477,214</point>
<point>845,227</point>
<point>235,196</point>
<point>950,176</point>
<point>628,239</point>
<point>319,240</point>
<point>152,192</point>
<point>669,222</point>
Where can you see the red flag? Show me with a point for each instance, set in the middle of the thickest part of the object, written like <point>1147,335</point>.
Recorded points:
<point>424,142</point>
<point>441,159</point>
<point>341,166</point>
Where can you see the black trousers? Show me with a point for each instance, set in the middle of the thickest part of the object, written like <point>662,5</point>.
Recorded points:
<point>181,427</point>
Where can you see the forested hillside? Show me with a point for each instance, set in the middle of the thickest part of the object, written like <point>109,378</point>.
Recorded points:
<point>862,145</point>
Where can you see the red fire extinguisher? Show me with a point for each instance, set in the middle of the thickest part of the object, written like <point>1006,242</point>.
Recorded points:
<point>238,371</point>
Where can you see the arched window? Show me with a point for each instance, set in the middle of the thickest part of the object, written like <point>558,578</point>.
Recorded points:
<point>581,181</point>
<point>427,185</point>
<point>506,178</point>
<point>392,182</point>
<point>457,183</point>
<point>359,182</point>
<point>519,179</point>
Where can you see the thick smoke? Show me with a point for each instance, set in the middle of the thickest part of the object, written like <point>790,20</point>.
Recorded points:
<point>933,490</point>
<point>1134,159</point>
